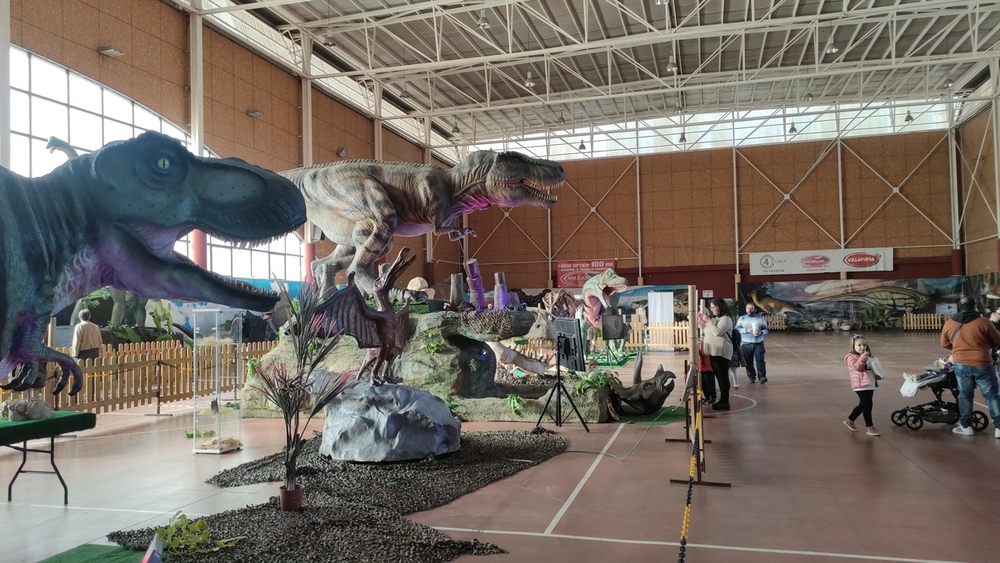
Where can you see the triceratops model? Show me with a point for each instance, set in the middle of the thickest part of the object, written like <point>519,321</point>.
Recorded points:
<point>111,218</point>
<point>643,397</point>
<point>361,204</point>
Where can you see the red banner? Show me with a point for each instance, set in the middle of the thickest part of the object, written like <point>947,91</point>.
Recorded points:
<point>572,273</point>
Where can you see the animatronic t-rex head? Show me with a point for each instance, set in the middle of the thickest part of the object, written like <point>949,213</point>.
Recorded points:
<point>142,195</point>
<point>508,179</point>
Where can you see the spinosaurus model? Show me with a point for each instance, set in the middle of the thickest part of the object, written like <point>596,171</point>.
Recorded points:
<point>361,204</point>
<point>111,217</point>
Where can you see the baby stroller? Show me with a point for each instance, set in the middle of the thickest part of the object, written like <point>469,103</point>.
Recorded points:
<point>939,411</point>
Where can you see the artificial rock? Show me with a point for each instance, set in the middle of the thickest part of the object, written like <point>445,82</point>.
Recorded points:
<point>388,423</point>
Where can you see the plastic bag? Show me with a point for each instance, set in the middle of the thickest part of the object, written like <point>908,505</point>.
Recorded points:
<point>875,367</point>
<point>909,387</point>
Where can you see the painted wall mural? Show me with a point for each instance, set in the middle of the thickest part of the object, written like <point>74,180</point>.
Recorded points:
<point>866,304</point>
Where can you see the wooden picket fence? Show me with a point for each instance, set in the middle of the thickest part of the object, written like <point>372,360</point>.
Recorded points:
<point>672,336</point>
<point>924,321</point>
<point>142,373</point>
<point>776,322</point>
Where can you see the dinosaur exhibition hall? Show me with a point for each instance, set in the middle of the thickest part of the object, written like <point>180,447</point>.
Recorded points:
<point>414,281</point>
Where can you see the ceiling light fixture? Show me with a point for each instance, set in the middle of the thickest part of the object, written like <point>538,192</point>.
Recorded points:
<point>683,138</point>
<point>111,51</point>
<point>561,120</point>
<point>792,130</point>
<point>662,2</point>
<point>483,22</point>
<point>832,50</point>
<point>455,130</point>
<point>404,94</point>
<point>254,112</point>
<point>582,146</point>
<point>808,97</point>
<point>948,82</point>
<point>909,116</point>
<point>328,39</point>
<point>672,66</point>
<point>528,82</point>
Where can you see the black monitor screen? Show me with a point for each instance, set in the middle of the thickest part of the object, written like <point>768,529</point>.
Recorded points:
<point>570,344</point>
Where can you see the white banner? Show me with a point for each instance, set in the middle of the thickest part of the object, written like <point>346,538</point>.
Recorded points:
<point>821,261</point>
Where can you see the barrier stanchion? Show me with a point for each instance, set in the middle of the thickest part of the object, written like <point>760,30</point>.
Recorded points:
<point>695,431</point>
<point>156,387</point>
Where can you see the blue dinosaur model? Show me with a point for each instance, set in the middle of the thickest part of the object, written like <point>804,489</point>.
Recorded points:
<point>111,218</point>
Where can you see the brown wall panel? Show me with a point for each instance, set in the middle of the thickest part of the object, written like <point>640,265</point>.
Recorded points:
<point>977,199</point>
<point>336,126</point>
<point>919,215</point>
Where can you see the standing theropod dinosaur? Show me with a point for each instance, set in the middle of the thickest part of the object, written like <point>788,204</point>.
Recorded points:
<point>112,217</point>
<point>361,204</point>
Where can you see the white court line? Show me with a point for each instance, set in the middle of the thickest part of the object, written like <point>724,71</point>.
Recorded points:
<point>582,482</point>
<point>698,545</point>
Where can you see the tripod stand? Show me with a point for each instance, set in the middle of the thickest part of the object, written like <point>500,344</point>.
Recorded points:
<point>558,390</point>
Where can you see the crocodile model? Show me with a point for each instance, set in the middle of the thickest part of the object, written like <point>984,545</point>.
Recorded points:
<point>111,218</point>
<point>361,204</point>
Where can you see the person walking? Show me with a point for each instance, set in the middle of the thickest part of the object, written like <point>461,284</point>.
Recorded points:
<point>86,338</point>
<point>719,347</point>
<point>971,338</point>
<point>863,382</point>
<point>753,329</point>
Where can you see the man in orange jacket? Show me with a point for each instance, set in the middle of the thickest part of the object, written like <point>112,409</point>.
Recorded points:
<point>971,338</point>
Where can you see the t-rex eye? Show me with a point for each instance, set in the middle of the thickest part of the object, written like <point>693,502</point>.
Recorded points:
<point>163,164</point>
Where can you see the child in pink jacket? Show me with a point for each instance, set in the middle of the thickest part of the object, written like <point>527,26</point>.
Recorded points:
<point>862,382</point>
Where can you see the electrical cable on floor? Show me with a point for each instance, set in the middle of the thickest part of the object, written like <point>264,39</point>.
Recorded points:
<point>639,441</point>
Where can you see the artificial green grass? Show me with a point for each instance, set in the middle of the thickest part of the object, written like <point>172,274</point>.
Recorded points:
<point>665,415</point>
<point>605,362</point>
<point>91,553</point>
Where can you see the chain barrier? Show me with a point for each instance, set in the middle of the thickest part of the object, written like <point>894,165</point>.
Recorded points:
<point>691,475</point>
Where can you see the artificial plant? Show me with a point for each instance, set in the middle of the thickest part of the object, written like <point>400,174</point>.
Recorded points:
<point>291,389</point>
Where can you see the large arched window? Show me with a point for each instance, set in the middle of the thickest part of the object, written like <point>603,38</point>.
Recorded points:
<point>48,100</point>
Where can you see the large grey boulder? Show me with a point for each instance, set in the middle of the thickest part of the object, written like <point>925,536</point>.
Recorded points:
<point>388,423</point>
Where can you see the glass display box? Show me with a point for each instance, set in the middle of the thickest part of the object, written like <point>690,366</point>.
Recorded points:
<point>218,377</point>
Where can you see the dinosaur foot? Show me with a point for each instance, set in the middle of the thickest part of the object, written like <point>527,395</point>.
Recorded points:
<point>27,377</point>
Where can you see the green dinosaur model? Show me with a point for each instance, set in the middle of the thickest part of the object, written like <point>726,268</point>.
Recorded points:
<point>361,204</point>
<point>111,218</point>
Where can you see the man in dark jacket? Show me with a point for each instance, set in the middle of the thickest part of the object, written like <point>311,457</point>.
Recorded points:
<point>971,338</point>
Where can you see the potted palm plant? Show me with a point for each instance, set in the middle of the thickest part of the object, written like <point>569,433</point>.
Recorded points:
<point>295,389</point>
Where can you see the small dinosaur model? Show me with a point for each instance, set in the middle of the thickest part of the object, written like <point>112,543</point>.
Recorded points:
<point>361,204</point>
<point>597,293</point>
<point>112,217</point>
<point>384,329</point>
<point>771,306</point>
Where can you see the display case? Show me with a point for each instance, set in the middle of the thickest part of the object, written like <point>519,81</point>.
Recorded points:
<point>217,380</point>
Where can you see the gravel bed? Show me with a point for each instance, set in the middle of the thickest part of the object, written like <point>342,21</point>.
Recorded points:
<point>353,512</point>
